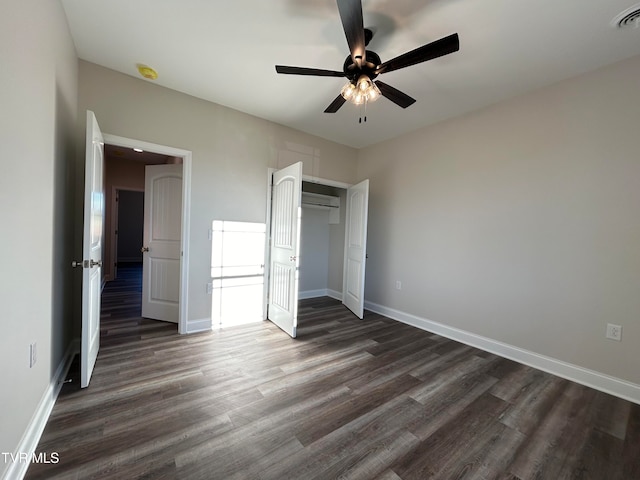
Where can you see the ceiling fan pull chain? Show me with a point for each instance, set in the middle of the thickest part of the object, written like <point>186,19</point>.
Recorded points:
<point>365,109</point>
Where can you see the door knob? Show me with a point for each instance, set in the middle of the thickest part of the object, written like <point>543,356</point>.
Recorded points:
<point>86,263</point>
<point>144,249</point>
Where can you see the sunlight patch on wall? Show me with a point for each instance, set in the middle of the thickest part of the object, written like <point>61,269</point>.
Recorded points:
<point>237,272</point>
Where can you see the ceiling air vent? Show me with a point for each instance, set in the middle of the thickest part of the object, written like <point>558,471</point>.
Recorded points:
<point>629,18</point>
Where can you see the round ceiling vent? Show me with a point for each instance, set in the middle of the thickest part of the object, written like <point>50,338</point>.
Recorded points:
<point>629,18</point>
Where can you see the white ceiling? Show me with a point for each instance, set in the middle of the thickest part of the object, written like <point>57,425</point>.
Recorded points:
<point>225,52</point>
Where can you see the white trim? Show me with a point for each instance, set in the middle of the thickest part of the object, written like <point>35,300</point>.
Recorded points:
<point>323,292</point>
<point>584,376</point>
<point>31,437</point>
<point>327,182</point>
<point>199,325</point>
<point>183,318</point>
<point>267,246</point>
<point>186,156</point>
<point>118,141</point>
<point>334,294</point>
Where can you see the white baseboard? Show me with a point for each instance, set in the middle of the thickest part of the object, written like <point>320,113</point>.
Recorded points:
<point>590,378</point>
<point>312,294</point>
<point>334,294</point>
<point>323,292</point>
<point>29,443</point>
<point>199,325</point>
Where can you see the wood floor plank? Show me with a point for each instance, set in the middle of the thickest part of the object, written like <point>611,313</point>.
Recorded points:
<point>443,453</point>
<point>631,455</point>
<point>348,399</point>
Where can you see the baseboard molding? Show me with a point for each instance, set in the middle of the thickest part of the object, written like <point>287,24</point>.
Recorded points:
<point>323,292</point>
<point>200,325</point>
<point>312,294</point>
<point>29,443</point>
<point>334,294</point>
<point>590,378</point>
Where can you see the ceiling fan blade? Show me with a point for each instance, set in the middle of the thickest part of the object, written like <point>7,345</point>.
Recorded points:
<point>335,105</point>
<point>432,50</point>
<point>308,71</point>
<point>351,16</point>
<point>396,96</point>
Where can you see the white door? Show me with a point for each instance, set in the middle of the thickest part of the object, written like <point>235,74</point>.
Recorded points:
<point>285,240</point>
<point>92,249</point>
<point>355,250</point>
<point>162,242</point>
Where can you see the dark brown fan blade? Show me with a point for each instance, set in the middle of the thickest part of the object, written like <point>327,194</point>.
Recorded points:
<point>335,105</point>
<point>396,96</point>
<point>432,50</point>
<point>351,16</point>
<point>317,72</point>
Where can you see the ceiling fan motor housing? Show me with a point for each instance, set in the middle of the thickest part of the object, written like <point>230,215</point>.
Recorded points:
<point>352,72</point>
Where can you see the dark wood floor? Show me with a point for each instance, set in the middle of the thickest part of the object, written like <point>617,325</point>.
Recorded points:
<point>353,399</point>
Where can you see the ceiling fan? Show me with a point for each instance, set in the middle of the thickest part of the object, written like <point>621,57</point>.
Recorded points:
<point>362,66</point>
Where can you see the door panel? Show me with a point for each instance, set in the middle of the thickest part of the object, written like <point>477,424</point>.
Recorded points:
<point>162,242</point>
<point>355,251</point>
<point>92,249</point>
<point>285,239</point>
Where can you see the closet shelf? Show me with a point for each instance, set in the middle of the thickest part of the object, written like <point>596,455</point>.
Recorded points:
<point>324,202</point>
<point>313,204</point>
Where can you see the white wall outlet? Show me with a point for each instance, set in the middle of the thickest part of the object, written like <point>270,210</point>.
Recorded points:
<point>398,285</point>
<point>33,356</point>
<point>209,288</point>
<point>614,332</point>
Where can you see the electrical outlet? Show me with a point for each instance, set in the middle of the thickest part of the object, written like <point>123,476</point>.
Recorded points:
<point>398,285</point>
<point>614,332</point>
<point>32,355</point>
<point>209,288</point>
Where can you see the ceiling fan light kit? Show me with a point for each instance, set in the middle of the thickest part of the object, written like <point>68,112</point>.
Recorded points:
<point>363,91</point>
<point>363,66</point>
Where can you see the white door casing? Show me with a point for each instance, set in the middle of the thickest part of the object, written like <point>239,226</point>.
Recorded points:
<point>162,242</point>
<point>355,250</point>
<point>286,206</point>
<point>92,249</point>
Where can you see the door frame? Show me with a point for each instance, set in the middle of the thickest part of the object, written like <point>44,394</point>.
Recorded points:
<point>267,250</point>
<point>186,156</point>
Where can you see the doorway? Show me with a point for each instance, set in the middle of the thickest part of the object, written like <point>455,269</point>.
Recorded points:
<point>285,213</point>
<point>132,156</point>
<point>130,227</point>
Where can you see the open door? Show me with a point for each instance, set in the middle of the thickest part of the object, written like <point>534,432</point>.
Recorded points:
<point>162,242</point>
<point>91,249</point>
<point>286,206</point>
<point>355,249</point>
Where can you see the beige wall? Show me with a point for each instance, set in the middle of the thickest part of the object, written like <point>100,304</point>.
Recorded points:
<point>125,175</point>
<point>38,95</point>
<point>231,154</point>
<point>519,222</point>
